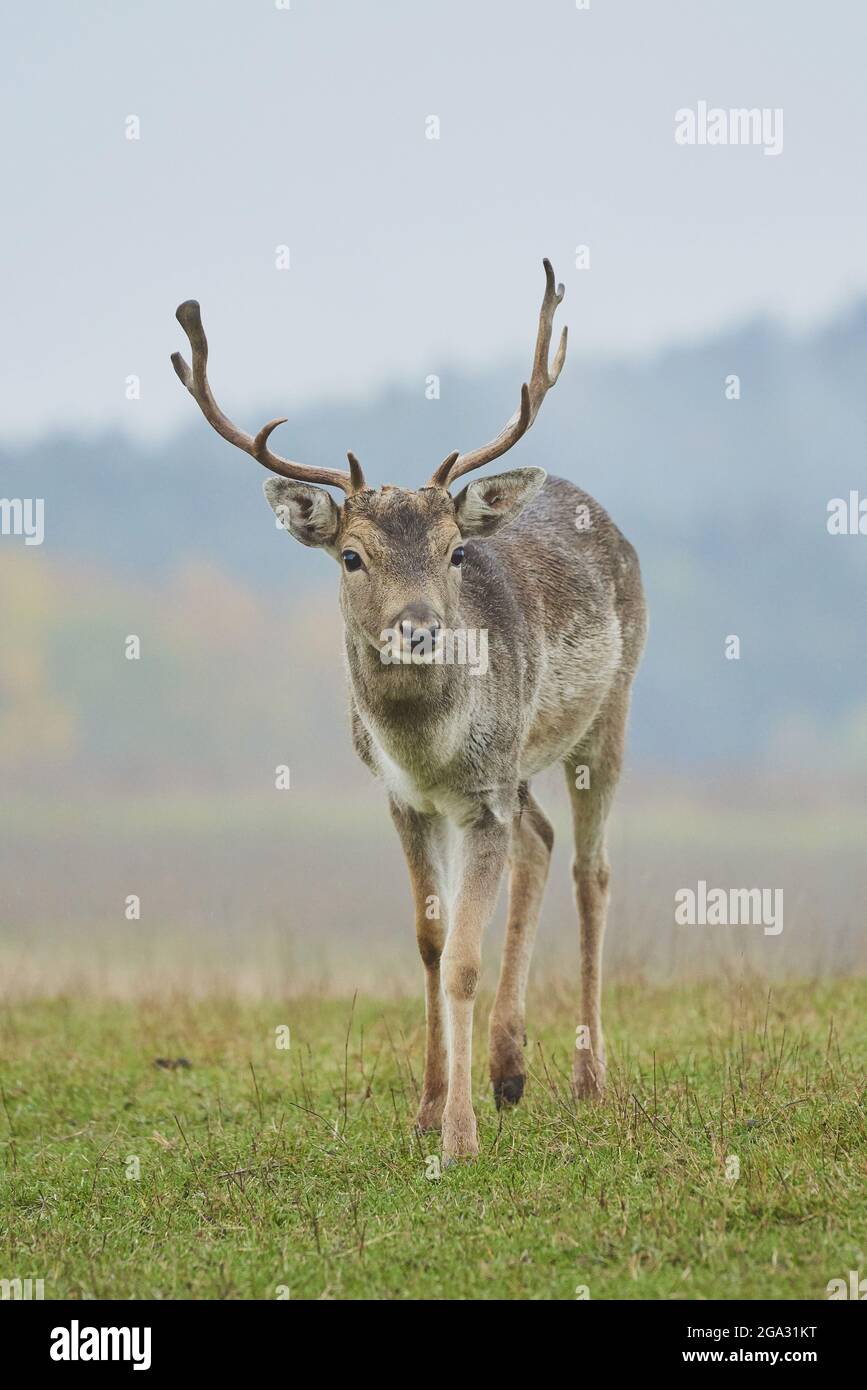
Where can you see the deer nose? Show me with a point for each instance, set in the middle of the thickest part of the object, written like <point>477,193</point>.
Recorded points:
<point>418,618</point>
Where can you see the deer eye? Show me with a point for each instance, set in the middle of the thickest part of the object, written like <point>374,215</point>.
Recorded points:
<point>458,557</point>
<point>351,559</point>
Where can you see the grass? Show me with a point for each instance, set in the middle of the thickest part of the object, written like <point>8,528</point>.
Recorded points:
<point>259,1172</point>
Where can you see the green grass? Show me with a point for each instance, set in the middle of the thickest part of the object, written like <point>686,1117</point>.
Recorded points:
<point>262,1168</point>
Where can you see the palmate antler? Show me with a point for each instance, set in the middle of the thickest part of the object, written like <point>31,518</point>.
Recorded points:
<point>532,395</point>
<point>189,317</point>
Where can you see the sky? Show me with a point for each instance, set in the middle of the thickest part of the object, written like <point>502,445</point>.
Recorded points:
<point>265,125</point>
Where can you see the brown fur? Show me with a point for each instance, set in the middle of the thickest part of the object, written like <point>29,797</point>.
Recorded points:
<point>556,590</point>
<point>565,616</point>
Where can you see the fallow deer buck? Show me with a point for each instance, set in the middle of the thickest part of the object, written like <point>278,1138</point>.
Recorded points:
<point>536,564</point>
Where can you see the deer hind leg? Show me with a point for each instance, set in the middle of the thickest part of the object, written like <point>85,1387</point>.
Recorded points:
<point>529,860</point>
<point>423,839</point>
<point>592,773</point>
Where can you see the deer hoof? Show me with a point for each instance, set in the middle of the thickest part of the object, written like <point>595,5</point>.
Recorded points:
<point>508,1090</point>
<point>459,1139</point>
<point>430,1114</point>
<point>588,1080</point>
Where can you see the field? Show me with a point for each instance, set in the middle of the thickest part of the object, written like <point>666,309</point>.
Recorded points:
<point>727,1161</point>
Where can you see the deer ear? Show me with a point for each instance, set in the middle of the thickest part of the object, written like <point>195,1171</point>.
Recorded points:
<point>489,503</point>
<point>309,513</point>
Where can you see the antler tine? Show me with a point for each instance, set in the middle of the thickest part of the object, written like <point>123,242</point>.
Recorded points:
<point>189,316</point>
<point>541,379</point>
<point>355,473</point>
<point>532,395</point>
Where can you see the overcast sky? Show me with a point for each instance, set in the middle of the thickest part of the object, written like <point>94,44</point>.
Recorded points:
<point>306,127</point>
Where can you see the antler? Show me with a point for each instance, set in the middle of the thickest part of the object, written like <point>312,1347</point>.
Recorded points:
<point>532,396</point>
<point>189,317</point>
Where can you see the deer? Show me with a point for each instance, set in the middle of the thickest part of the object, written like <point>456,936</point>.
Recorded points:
<point>535,564</point>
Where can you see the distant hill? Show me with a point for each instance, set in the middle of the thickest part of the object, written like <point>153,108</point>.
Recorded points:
<point>726,501</point>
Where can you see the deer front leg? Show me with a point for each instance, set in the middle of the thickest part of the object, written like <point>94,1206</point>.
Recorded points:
<point>484,851</point>
<point>423,841</point>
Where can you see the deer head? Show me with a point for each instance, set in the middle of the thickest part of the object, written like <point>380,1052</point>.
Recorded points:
<point>400,551</point>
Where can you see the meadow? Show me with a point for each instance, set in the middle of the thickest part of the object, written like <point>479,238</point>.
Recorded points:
<point>276,1158</point>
